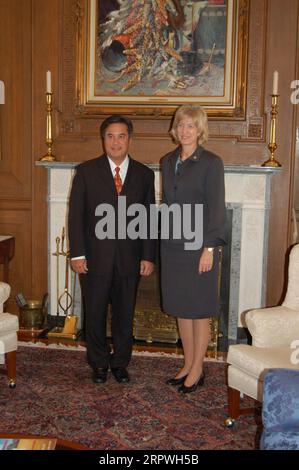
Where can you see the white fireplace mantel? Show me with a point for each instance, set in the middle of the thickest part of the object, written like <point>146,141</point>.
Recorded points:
<point>247,194</point>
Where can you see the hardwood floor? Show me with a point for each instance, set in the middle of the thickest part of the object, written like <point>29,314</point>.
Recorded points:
<point>31,336</point>
<point>138,345</point>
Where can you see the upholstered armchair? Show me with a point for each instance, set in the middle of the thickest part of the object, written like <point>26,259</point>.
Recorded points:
<point>274,332</point>
<point>280,412</point>
<point>9,325</point>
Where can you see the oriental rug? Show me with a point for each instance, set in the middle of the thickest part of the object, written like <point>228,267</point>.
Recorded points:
<point>56,397</point>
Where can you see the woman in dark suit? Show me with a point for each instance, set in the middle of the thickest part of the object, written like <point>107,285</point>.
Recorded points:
<point>192,175</point>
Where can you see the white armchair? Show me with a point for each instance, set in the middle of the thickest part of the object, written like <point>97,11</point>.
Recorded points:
<point>9,325</point>
<point>274,332</point>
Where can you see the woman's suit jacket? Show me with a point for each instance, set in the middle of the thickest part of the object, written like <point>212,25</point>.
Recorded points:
<point>200,181</point>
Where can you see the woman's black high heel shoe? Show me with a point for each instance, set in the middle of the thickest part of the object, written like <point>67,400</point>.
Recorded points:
<point>175,381</point>
<point>184,389</point>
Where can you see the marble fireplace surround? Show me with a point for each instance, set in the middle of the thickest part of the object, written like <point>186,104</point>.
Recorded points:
<point>247,194</point>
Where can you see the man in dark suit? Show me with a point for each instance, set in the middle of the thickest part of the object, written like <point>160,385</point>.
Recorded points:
<point>110,267</point>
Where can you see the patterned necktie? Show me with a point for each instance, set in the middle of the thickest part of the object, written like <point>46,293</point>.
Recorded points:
<point>117,180</point>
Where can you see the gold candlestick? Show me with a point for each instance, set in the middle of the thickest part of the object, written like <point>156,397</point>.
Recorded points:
<point>272,146</point>
<point>49,157</point>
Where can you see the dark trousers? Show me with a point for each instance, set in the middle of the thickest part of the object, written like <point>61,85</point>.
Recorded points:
<point>98,291</point>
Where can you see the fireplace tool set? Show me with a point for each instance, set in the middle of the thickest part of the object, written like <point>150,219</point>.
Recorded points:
<point>65,300</point>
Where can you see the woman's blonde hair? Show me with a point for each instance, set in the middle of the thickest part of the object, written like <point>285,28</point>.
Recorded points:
<point>199,117</point>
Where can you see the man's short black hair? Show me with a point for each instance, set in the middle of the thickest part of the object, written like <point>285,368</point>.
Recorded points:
<point>116,119</point>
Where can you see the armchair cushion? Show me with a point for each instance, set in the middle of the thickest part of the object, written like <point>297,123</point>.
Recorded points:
<point>4,294</point>
<point>256,361</point>
<point>273,327</point>
<point>280,440</point>
<point>292,296</point>
<point>281,410</point>
<point>8,323</point>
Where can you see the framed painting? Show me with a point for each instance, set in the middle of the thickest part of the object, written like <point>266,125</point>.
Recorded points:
<point>146,57</point>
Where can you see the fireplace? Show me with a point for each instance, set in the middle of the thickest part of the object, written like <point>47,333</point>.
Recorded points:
<point>243,282</point>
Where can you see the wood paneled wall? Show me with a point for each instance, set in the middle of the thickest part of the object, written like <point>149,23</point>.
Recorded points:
<point>37,35</point>
<point>16,137</point>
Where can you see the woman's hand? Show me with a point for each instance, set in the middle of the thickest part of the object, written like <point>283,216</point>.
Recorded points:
<point>205,261</point>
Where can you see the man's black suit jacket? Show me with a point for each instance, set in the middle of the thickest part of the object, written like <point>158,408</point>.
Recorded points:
<point>93,184</point>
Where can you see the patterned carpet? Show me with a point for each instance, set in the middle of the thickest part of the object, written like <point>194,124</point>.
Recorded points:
<point>56,397</point>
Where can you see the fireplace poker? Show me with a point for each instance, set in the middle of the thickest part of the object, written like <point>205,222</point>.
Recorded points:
<point>70,323</point>
<point>74,292</point>
<point>66,294</point>
<point>57,254</point>
<point>62,242</point>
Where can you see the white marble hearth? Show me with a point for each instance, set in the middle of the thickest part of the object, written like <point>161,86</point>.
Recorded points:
<point>247,194</point>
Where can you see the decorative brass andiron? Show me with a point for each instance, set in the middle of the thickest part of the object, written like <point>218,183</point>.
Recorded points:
<point>272,146</point>
<point>49,157</point>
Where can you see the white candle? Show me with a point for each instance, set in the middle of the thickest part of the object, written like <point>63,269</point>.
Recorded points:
<point>49,87</point>
<point>275,83</point>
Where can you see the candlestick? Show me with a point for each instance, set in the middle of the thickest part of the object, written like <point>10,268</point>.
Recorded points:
<point>272,146</point>
<point>49,85</point>
<point>275,83</point>
<point>49,157</point>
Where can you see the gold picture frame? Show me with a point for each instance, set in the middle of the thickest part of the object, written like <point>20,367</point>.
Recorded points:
<point>140,67</point>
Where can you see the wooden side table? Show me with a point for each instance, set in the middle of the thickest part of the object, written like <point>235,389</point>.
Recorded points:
<point>7,251</point>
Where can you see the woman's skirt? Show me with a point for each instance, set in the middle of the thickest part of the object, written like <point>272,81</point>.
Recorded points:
<point>185,292</point>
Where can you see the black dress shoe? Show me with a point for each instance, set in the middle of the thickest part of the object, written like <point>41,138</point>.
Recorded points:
<point>175,381</point>
<point>185,389</point>
<point>120,374</point>
<point>99,375</point>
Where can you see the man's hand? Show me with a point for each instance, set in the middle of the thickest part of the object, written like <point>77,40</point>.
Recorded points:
<point>205,261</point>
<point>146,268</point>
<point>79,266</point>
